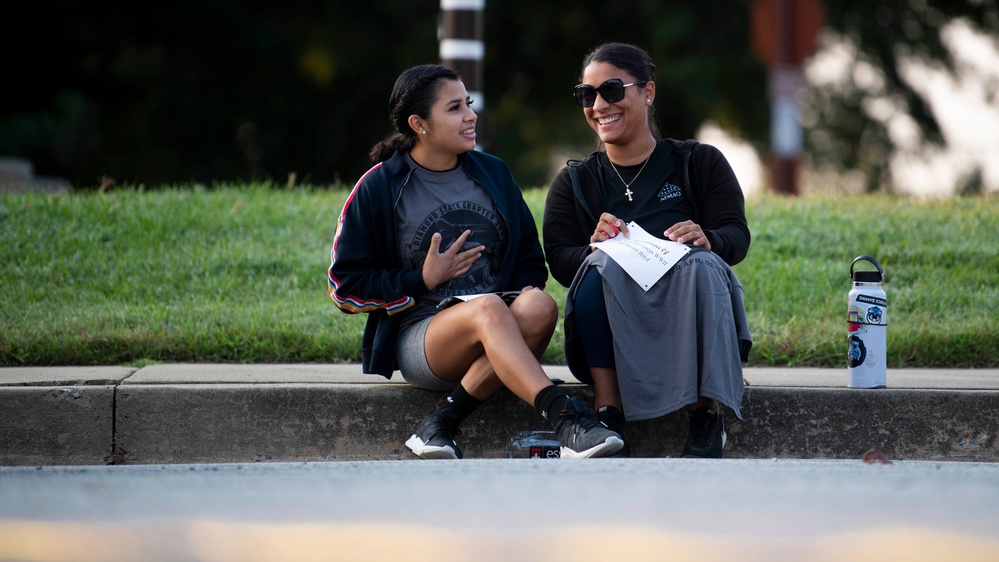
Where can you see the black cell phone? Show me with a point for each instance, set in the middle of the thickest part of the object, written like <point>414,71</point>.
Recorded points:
<point>450,301</point>
<point>507,296</point>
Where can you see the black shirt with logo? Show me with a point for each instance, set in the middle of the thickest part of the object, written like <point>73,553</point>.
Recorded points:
<point>657,201</point>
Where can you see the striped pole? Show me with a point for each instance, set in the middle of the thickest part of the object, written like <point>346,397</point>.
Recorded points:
<point>785,33</point>
<point>462,47</point>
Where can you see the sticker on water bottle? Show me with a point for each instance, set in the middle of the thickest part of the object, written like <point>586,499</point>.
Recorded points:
<point>857,352</point>
<point>874,315</point>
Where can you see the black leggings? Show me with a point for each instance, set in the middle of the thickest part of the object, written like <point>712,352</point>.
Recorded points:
<point>591,321</point>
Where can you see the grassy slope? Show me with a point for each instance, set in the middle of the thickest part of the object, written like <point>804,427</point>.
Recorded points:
<point>238,274</point>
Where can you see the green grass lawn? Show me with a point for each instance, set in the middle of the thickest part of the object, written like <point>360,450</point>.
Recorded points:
<point>238,274</point>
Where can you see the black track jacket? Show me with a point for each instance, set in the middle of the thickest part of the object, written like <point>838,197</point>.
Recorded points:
<point>365,274</point>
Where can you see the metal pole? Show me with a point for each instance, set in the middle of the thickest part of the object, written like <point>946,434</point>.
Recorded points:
<point>785,82</point>
<point>462,46</point>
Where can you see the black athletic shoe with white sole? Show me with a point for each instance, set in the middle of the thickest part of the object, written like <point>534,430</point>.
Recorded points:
<point>706,439</point>
<point>581,435</point>
<point>434,439</point>
<point>613,419</point>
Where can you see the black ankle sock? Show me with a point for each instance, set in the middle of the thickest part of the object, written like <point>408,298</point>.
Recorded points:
<point>458,405</point>
<point>550,401</point>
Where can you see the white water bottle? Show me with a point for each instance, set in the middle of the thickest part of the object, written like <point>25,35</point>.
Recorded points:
<point>867,328</point>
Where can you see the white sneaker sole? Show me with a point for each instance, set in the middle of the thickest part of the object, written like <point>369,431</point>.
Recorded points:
<point>425,451</point>
<point>610,446</point>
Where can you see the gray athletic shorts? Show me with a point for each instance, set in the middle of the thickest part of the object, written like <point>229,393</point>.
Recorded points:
<point>411,354</point>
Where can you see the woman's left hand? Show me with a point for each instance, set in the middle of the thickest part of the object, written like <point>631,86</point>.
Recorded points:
<point>688,232</point>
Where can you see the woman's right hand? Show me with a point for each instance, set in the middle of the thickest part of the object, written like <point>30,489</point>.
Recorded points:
<point>608,227</point>
<point>440,267</point>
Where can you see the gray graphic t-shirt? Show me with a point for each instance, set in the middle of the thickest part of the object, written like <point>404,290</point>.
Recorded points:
<point>449,203</point>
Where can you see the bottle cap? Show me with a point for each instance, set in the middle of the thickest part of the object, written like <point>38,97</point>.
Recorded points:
<point>867,276</point>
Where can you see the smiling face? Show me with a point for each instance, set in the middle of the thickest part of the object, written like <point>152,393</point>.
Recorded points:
<point>622,122</point>
<point>450,128</point>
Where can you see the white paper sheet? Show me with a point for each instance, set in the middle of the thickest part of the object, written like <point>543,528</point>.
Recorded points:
<point>644,257</point>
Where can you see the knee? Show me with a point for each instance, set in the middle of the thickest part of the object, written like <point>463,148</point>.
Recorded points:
<point>590,292</point>
<point>535,311</point>
<point>489,309</point>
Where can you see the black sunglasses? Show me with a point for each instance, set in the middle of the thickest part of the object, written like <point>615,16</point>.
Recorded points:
<point>611,90</point>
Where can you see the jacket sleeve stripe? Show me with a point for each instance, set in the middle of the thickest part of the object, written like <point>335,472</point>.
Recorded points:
<point>353,303</point>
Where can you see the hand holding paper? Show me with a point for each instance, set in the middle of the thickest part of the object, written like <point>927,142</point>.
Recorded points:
<point>644,257</point>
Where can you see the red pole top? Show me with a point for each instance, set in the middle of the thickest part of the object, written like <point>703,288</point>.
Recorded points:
<point>805,18</point>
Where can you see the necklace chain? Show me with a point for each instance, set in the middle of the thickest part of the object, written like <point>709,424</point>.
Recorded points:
<point>627,185</point>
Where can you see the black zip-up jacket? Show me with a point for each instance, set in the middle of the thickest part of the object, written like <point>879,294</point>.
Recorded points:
<point>572,211</point>
<point>365,274</point>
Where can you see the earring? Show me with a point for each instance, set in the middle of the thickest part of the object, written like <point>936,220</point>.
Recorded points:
<point>648,101</point>
<point>424,131</point>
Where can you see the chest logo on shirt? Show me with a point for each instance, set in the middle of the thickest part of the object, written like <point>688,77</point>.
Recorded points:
<point>669,191</point>
<point>451,220</point>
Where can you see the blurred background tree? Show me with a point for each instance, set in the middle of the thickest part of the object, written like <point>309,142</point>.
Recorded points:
<point>848,125</point>
<point>235,90</point>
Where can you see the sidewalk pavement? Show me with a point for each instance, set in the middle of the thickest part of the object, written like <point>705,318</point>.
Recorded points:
<point>220,413</point>
<point>497,510</point>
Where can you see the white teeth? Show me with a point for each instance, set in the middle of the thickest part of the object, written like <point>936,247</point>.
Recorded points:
<point>608,120</point>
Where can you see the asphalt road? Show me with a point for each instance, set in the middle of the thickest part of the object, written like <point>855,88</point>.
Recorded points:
<point>606,509</point>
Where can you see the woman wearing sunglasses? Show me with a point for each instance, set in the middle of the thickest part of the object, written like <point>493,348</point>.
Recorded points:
<point>681,343</point>
<point>434,219</point>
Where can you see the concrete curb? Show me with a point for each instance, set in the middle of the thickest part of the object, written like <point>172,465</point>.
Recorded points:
<point>165,414</point>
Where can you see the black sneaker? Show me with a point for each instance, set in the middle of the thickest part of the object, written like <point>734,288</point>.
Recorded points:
<point>613,419</point>
<point>706,439</point>
<point>581,435</point>
<point>434,439</point>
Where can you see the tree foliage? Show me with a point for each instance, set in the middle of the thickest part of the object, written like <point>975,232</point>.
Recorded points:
<point>885,36</point>
<point>162,93</point>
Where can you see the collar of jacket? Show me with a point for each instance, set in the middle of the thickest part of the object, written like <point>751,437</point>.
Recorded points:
<point>398,170</point>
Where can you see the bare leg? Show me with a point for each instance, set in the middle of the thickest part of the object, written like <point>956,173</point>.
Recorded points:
<point>605,389</point>
<point>705,402</point>
<point>607,393</point>
<point>486,344</point>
